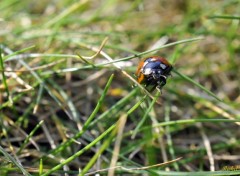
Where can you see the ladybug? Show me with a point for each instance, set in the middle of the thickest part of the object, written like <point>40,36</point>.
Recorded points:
<point>153,72</point>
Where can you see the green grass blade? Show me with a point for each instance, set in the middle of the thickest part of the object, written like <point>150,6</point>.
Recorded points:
<point>73,112</point>
<point>97,154</point>
<point>116,107</point>
<point>225,17</point>
<point>80,152</point>
<point>18,52</point>
<point>40,167</point>
<point>108,141</point>
<point>145,115</point>
<point>14,161</point>
<point>29,136</point>
<point>176,122</point>
<point>136,105</point>
<point>38,99</point>
<point>129,57</point>
<point>34,55</point>
<point>170,144</point>
<point>3,74</point>
<point>87,123</point>
<point>196,84</point>
<point>216,173</point>
<point>79,5</point>
<point>153,50</point>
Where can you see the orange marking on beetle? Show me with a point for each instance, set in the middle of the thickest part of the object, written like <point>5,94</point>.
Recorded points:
<point>140,78</point>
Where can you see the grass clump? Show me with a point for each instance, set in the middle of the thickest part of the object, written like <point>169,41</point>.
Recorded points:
<point>69,102</point>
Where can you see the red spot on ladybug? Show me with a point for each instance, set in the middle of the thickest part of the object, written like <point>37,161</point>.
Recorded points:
<point>153,72</point>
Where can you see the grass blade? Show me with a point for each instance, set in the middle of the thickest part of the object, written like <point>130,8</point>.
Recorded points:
<point>225,17</point>
<point>3,75</point>
<point>74,7</point>
<point>14,161</point>
<point>216,173</point>
<point>145,115</point>
<point>196,84</point>
<point>80,152</point>
<point>29,136</point>
<point>87,123</point>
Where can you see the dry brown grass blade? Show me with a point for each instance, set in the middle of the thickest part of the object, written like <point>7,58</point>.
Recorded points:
<point>137,168</point>
<point>120,127</point>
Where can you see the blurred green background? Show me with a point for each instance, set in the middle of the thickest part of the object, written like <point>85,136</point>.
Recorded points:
<point>50,86</point>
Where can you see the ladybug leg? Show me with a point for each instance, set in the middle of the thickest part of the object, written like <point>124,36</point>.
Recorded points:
<point>162,81</point>
<point>151,84</point>
<point>159,89</point>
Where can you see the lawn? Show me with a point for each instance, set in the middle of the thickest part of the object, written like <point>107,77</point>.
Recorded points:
<point>70,103</point>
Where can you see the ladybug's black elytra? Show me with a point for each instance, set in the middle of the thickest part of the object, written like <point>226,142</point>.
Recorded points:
<point>153,72</point>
